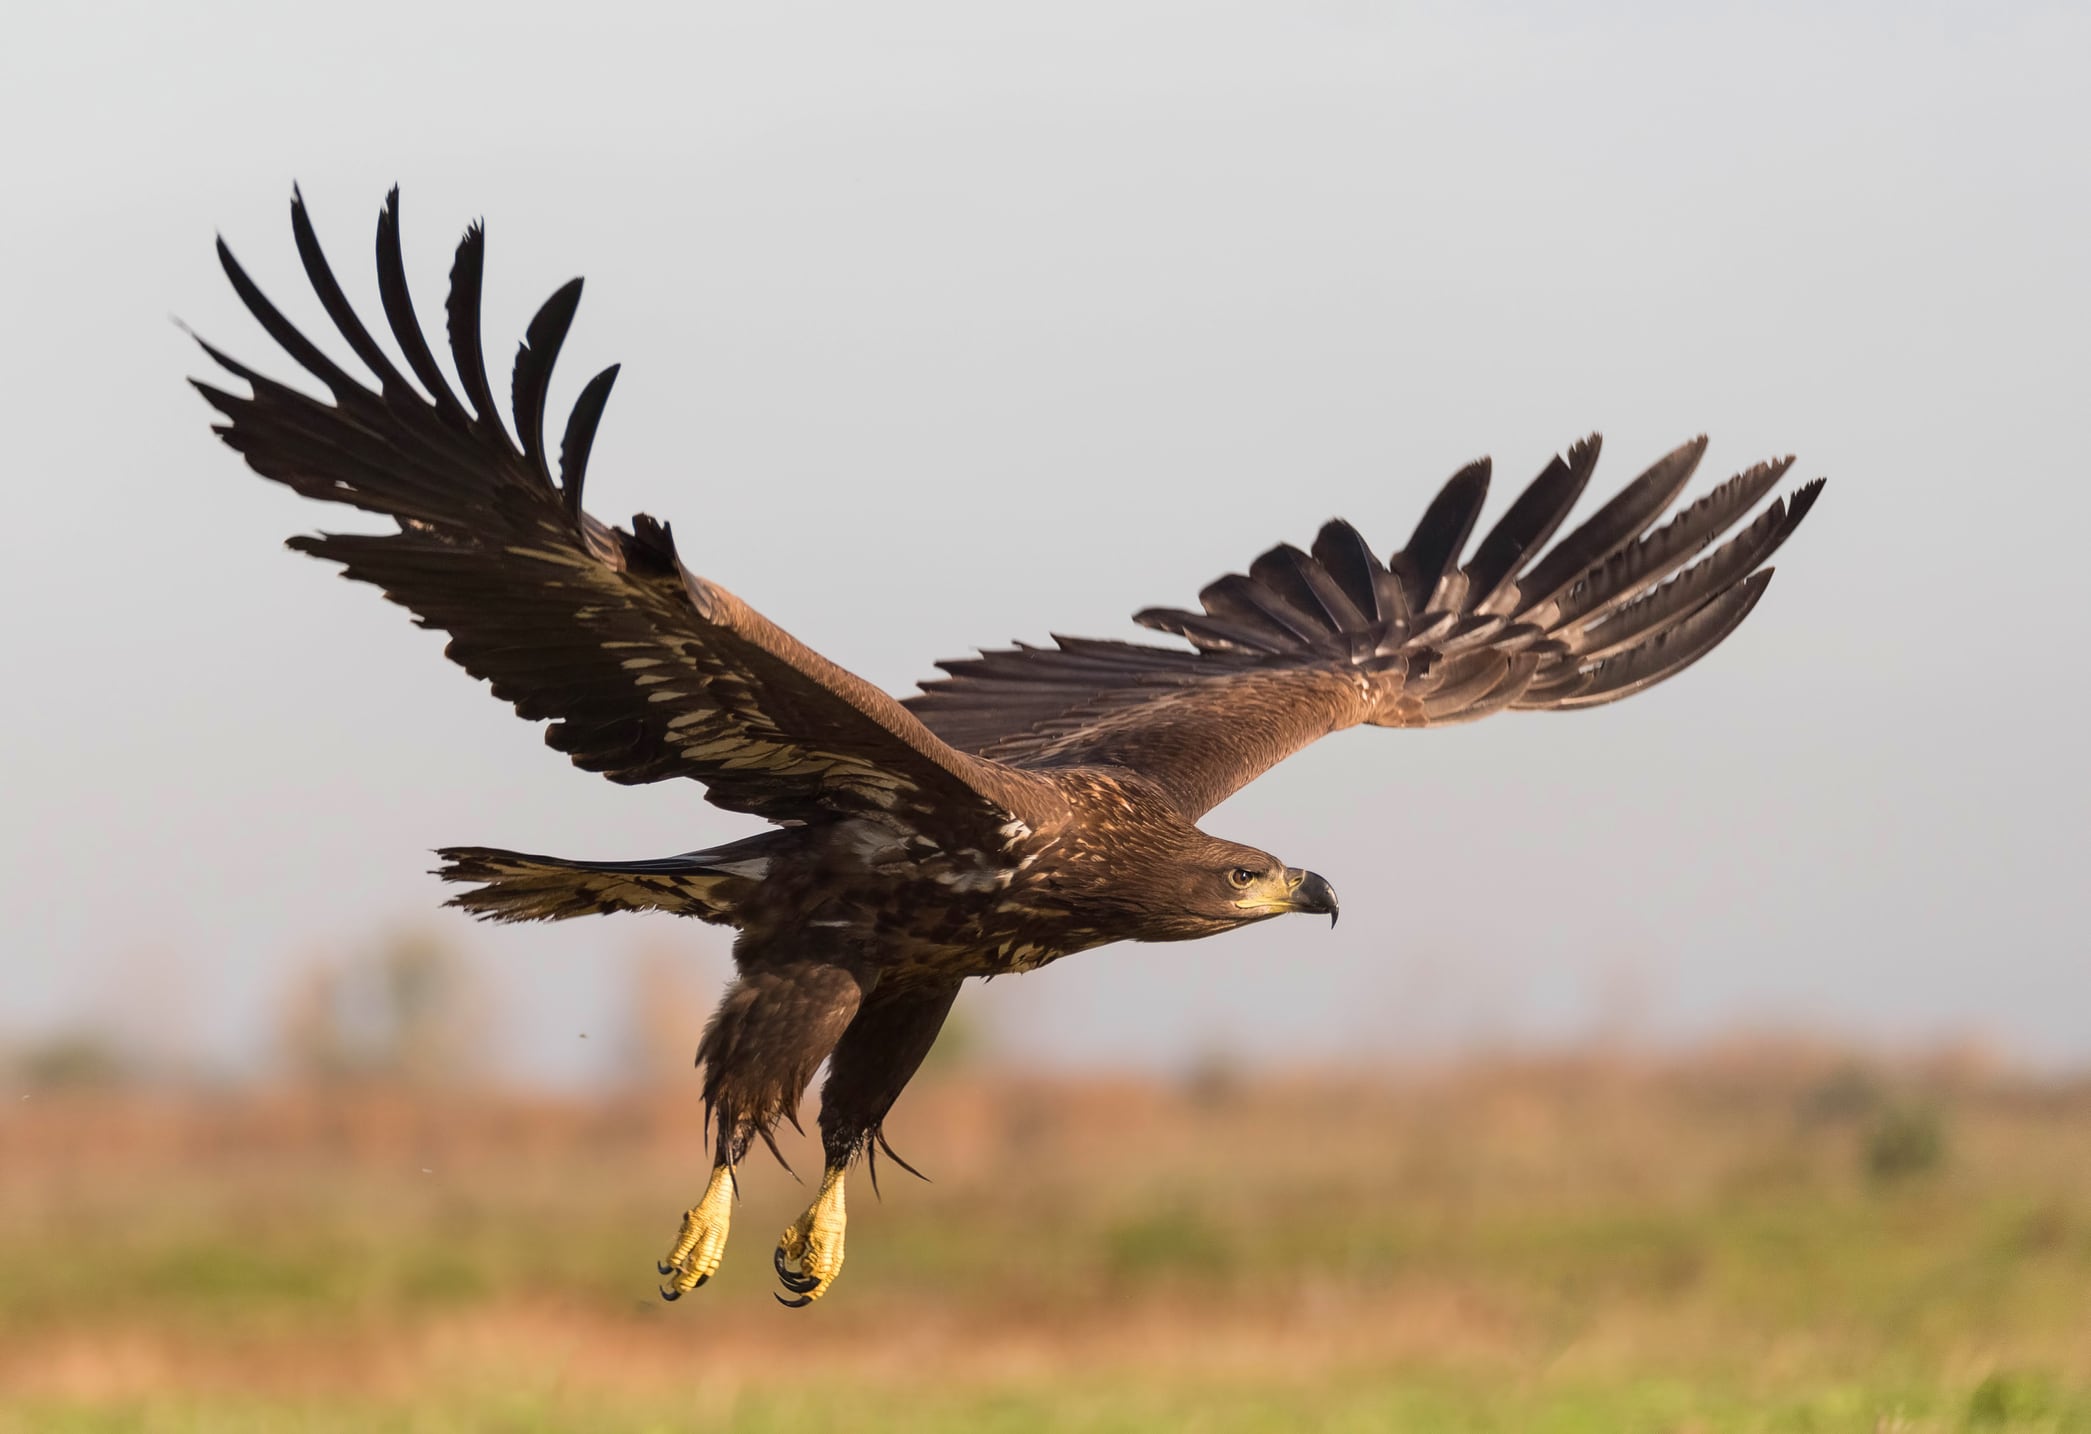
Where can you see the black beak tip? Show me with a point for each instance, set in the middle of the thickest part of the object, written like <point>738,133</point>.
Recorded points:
<point>1314,894</point>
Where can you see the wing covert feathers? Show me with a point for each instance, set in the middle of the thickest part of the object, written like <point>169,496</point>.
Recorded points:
<point>1425,638</point>
<point>645,670</point>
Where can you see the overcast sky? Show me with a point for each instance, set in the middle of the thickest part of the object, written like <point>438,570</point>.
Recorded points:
<point>942,326</point>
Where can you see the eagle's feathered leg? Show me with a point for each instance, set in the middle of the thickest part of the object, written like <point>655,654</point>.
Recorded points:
<point>773,1028</point>
<point>871,1064</point>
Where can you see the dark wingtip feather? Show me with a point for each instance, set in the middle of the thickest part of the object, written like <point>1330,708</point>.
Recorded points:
<point>534,361</point>
<point>1611,527</point>
<point>1340,549</point>
<point>580,437</point>
<point>398,302</point>
<point>1300,579</point>
<point>1531,519</point>
<point>1209,633</point>
<point>1637,566</point>
<point>1672,649</point>
<point>1802,499</point>
<point>1258,607</point>
<point>1441,534</point>
<point>222,359</point>
<point>320,274</point>
<point>467,274</point>
<point>285,333</point>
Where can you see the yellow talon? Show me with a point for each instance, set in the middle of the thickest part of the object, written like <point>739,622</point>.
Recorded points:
<point>702,1243</point>
<point>809,1255</point>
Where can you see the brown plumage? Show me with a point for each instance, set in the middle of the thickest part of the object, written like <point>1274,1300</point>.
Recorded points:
<point>1033,802</point>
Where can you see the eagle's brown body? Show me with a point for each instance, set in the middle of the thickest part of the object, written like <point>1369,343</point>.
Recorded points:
<point>1035,802</point>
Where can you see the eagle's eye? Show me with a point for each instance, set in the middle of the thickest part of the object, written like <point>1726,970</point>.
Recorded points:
<point>1240,877</point>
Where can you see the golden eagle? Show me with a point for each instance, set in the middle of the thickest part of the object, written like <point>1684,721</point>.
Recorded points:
<point>1034,802</point>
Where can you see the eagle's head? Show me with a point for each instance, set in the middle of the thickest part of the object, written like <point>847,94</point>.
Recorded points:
<point>1206,886</point>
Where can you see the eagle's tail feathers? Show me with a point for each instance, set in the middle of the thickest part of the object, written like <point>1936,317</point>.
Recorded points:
<point>516,886</point>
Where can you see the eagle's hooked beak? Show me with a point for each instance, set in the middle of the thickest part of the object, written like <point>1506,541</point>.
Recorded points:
<point>1311,893</point>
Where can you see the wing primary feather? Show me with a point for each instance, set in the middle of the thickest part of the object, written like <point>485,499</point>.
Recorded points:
<point>1204,630</point>
<point>1397,619</point>
<point>307,353</point>
<point>1245,600</point>
<point>1611,527</point>
<point>467,273</point>
<point>1511,684</point>
<point>1673,649</point>
<point>1530,521</point>
<point>1433,549</point>
<point>1462,680</point>
<point>1560,684</point>
<point>336,303</point>
<point>580,438</point>
<point>1634,569</point>
<point>1347,559</point>
<point>398,301</point>
<point>1697,585</point>
<point>232,366</point>
<point>532,379</point>
<point>1288,571</point>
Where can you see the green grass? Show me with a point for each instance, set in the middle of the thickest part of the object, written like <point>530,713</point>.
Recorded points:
<point>2017,1403</point>
<point>1547,1252</point>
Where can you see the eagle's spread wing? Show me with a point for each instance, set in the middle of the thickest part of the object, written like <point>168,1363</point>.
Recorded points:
<point>1308,643</point>
<point>646,670</point>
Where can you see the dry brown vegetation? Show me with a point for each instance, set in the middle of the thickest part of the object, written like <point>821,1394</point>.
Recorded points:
<point>1757,1228</point>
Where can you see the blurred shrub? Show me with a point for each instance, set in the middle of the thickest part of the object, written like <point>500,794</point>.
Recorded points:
<point>2009,1397</point>
<point>1847,1096</point>
<point>1176,1241</point>
<point>1215,1079</point>
<point>1899,1137</point>
<point>73,1060</point>
<point>405,1011</point>
<point>1904,1140</point>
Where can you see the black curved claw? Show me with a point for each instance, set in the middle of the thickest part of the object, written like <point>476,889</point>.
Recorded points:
<point>797,1284</point>
<point>663,1268</point>
<point>671,1296</point>
<point>798,1304</point>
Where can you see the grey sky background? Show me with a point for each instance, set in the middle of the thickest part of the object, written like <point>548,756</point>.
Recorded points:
<point>946,325</point>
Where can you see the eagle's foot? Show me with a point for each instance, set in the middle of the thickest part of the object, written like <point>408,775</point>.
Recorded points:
<point>702,1243</point>
<point>809,1255</point>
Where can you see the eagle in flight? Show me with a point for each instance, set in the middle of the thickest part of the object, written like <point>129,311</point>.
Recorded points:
<point>1033,802</point>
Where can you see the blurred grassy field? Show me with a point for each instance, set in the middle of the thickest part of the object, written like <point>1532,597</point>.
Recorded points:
<point>1748,1239</point>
